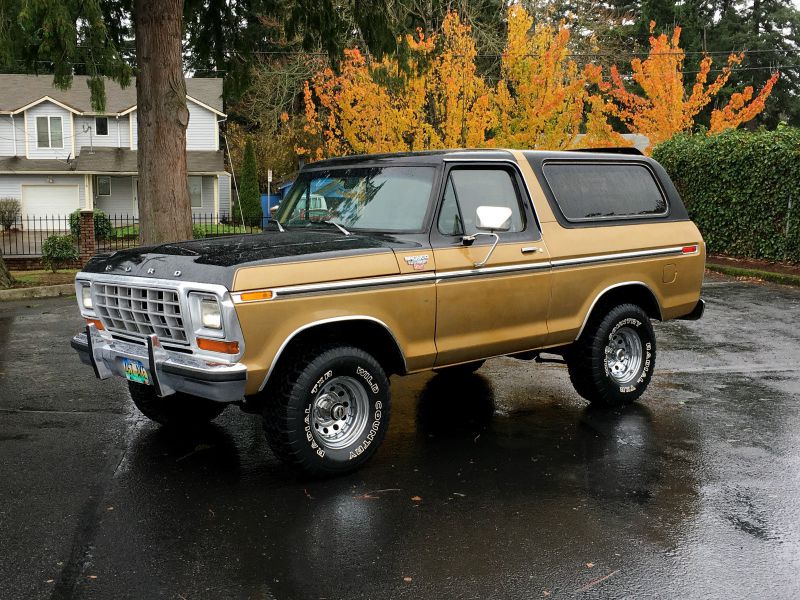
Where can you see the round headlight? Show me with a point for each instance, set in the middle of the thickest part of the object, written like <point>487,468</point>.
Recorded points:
<point>210,314</point>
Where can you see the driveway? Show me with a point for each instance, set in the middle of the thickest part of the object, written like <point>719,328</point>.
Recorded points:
<point>500,485</point>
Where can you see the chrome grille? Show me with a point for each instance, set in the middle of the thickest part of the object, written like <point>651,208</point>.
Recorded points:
<point>140,311</point>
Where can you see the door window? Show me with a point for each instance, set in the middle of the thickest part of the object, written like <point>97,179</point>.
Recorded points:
<point>467,189</point>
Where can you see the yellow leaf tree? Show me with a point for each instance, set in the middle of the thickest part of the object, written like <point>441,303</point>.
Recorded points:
<point>543,95</point>
<point>438,100</point>
<point>664,107</point>
<point>442,104</point>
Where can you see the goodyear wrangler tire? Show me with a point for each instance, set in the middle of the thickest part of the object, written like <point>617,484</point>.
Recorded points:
<point>611,364</point>
<point>176,409</point>
<point>330,412</point>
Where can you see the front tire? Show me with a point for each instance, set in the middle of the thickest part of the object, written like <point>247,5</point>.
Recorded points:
<point>175,409</point>
<point>612,362</point>
<point>330,411</point>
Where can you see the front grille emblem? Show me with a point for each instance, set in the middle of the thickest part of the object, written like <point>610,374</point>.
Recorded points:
<point>177,273</point>
<point>151,271</point>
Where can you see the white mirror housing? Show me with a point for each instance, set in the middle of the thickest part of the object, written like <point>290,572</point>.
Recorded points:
<point>493,218</point>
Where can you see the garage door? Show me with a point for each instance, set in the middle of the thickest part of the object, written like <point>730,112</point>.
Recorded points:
<point>39,201</point>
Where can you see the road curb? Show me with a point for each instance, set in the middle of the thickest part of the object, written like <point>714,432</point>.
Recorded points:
<point>771,276</point>
<point>46,291</point>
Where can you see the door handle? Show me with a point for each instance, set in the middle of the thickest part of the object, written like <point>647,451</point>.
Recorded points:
<point>530,249</point>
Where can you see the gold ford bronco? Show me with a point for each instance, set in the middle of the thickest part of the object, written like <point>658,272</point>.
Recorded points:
<point>394,264</point>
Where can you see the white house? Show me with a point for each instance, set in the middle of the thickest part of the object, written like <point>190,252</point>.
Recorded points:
<point>57,154</point>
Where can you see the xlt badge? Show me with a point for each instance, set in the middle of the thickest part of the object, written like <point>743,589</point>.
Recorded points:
<point>418,261</point>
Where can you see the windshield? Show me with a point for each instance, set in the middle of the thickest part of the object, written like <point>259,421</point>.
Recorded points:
<point>391,199</point>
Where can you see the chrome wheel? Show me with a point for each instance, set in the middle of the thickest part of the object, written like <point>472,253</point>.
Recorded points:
<point>624,355</point>
<point>339,413</point>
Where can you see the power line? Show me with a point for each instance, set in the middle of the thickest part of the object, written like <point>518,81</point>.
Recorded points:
<point>569,55</point>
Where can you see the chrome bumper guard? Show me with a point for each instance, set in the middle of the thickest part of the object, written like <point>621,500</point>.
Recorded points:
<point>170,372</point>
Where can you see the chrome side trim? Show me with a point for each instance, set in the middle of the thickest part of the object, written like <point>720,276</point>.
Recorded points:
<point>444,275</point>
<point>588,260</point>
<point>611,287</point>
<point>325,322</point>
<point>405,279</point>
<point>291,290</point>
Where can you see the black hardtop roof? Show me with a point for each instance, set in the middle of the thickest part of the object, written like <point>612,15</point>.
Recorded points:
<point>430,157</point>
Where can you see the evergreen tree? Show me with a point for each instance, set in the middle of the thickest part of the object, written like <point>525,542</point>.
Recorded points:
<point>249,194</point>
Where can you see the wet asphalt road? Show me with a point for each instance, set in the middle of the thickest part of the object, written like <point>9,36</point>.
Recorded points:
<point>503,485</point>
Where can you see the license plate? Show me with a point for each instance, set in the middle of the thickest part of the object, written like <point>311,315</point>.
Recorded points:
<point>134,371</point>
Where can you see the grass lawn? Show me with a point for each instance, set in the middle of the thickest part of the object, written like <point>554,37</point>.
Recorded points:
<point>37,278</point>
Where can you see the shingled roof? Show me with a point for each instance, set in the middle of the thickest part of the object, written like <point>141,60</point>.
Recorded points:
<point>113,161</point>
<point>17,91</point>
<point>122,160</point>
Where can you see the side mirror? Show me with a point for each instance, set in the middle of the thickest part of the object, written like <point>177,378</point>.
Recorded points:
<point>493,218</point>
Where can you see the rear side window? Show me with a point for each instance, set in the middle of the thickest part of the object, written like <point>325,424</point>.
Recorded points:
<point>592,191</point>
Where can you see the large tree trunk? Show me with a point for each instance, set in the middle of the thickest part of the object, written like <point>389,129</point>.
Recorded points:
<point>165,212</point>
<point>5,277</point>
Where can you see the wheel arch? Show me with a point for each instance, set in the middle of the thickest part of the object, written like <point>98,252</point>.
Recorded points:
<point>626,292</point>
<point>368,333</point>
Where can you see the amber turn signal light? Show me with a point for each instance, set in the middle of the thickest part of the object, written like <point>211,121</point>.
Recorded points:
<point>218,346</point>
<point>253,296</point>
<point>96,323</point>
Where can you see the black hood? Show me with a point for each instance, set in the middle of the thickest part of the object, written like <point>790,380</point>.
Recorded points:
<point>215,260</point>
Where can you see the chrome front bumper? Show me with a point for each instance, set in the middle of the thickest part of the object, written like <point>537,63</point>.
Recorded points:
<point>169,371</point>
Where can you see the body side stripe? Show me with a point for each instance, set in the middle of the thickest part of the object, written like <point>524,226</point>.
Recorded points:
<point>439,276</point>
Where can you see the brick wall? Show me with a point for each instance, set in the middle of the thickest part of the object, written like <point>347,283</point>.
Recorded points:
<point>87,246</point>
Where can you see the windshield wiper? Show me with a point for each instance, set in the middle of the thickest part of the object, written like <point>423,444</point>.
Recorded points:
<point>342,229</point>
<point>334,223</point>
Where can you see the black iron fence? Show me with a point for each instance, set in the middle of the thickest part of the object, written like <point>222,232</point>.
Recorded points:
<point>25,235</point>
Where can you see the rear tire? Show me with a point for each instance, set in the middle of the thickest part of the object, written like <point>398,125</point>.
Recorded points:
<point>612,362</point>
<point>175,409</point>
<point>330,410</point>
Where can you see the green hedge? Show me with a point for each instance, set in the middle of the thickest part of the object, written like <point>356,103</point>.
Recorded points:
<point>737,187</point>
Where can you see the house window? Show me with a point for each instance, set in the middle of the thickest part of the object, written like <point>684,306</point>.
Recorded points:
<point>49,132</point>
<point>196,191</point>
<point>104,186</point>
<point>101,125</point>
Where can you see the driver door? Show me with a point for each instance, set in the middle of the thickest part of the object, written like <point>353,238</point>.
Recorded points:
<point>500,307</point>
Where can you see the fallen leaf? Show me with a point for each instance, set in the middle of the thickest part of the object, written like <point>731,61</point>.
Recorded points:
<point>50,580</point>
<point>545,593</point>
<point>589,565</point>
<point>593,583</point>
<point>110,508</point>
<point>92,576</point>
<point>416,499</point>
<point>407,579</point>
<point>365,497</point>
